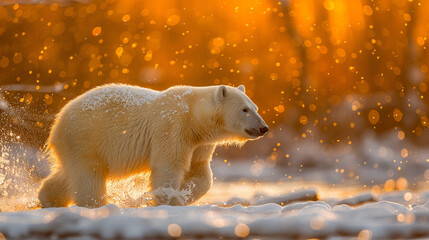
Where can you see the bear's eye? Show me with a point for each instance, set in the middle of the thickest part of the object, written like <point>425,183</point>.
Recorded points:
<point>245,110</point>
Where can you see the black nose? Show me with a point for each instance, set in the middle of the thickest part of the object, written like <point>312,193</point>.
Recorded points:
<point>263,130</point>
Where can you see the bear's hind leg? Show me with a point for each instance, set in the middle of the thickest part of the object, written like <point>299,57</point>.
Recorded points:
<point>54,191</point>
<point>89,188</point>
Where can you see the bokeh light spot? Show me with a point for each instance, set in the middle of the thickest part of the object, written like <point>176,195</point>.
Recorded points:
<point>218,42</point>
<point>96,31</point>
<point>303,120</point>
<point>4,62</point>
<point>119,51</point>
<point>126,18</point>
<point>241,230</point>
<point>397,115</point>
<point>373,117</point>
<point>174,230</point>
<point>173,20</point>
<point>329,5</point>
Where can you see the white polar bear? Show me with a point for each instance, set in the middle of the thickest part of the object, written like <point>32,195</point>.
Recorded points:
<point>115,130</point>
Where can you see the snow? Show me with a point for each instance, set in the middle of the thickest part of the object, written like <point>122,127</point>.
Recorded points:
<point>187,92</point>
<point>281,210</point>
<point>179,99</point>
<point>372,160</point>
<point>309,219</point>
<point>125,95</point>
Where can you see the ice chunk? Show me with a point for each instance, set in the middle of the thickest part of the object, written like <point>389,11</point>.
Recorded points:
<point>359,199</point>
<point>302,195</point>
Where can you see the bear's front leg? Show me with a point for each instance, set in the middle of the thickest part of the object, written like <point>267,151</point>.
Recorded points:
<point>168,171</point>
<point>199,178</point>
<point>165,185</point>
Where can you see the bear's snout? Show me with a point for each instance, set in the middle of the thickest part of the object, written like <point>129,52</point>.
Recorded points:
<point>257,132</point>
<point>263,130</point>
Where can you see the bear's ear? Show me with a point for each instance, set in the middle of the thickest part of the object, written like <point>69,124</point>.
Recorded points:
<point>242,88</point>
<point>220,93</point>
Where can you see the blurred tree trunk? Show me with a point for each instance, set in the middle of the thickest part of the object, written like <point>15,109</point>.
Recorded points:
<point>413,105</point>
<point>298,41</point>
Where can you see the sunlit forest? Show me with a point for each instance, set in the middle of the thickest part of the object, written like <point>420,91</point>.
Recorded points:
<point>343,85</point>
<point>324,71</point>
<point>332,67</point>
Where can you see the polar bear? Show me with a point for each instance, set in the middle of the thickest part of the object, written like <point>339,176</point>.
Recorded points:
<point>117,130</point>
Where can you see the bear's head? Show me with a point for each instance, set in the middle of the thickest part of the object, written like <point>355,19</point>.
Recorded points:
<point>240,118</point>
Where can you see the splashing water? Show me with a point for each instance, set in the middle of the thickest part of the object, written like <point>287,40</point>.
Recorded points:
<point>168,193</point>
<point>130,192</point>
<point>20,173</point>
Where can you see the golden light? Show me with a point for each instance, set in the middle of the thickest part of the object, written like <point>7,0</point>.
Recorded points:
<point>401,135</point>
<point>173,20</point>
<point>404,153</point>
<point>364,235</point>
<point>397,115</point>
<point>329,5</point>
<point>367,10</point>
<point>148,56</point>
<point>389,185</point>
<point>322,69</point>
<point>401,183</point>
<point>408,196</point>
<point>241,230</point>
<point>373,117</point>
<point>96,31</point>
<point>119,51</point>
<point>174,230</point>
<point>424,121</point>
<point>303,120</point>
<point>126,18</point>
<point>4,62</point>
<point>129,192</point>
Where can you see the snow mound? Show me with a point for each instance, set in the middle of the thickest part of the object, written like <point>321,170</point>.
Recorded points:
<point>318,219</point>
